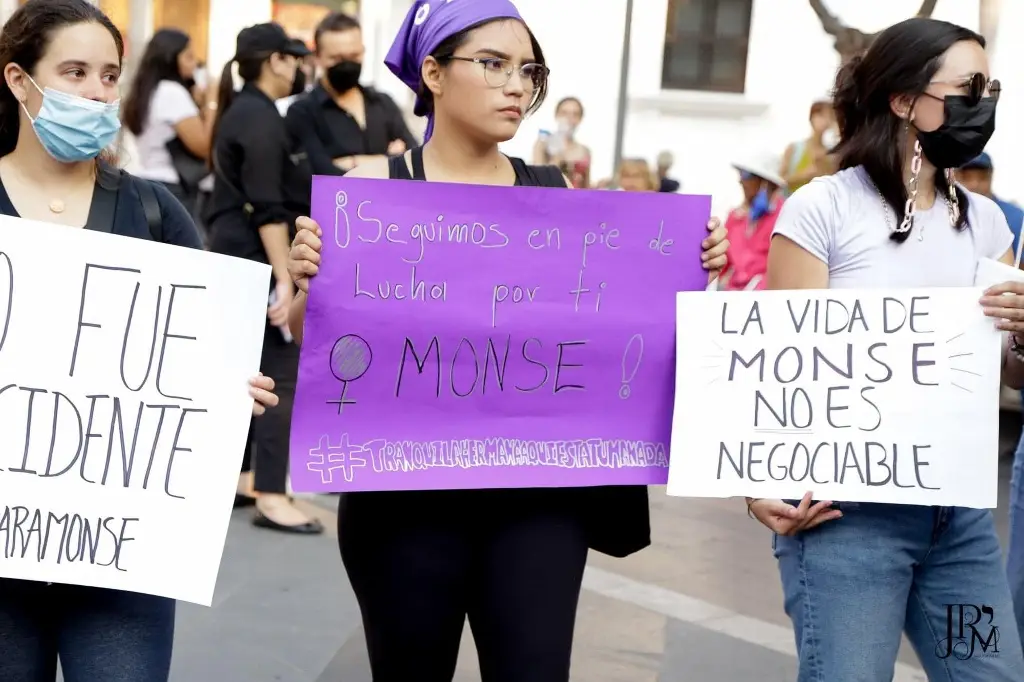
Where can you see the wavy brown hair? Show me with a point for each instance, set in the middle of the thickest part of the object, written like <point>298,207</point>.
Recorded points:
<point>24,40</point>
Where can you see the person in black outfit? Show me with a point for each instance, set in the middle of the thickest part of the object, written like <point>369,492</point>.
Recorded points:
<point>262,183</point>
<point>512,561</point>
<point>340,123</point>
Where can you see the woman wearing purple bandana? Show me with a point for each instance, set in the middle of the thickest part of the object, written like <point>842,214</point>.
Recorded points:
<point>510,560</point>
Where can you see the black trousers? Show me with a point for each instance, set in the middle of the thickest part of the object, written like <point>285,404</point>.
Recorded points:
<point>420,563</point>
<point>266,449</point>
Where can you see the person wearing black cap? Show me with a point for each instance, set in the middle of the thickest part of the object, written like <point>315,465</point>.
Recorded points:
<point>976,175</point>
<point>303,78</point>
<point>261,184</point>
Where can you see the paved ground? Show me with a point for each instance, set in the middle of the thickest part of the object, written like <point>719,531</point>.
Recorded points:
<point>702,604</point>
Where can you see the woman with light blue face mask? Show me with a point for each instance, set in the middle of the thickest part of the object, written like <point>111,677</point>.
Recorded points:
<point>58,113</point>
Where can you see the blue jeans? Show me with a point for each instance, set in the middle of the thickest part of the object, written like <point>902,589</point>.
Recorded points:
<point>853,585</point>
<point>1015,552</point>
<point>99,635</point>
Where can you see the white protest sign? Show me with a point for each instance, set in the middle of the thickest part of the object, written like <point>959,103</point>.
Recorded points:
<point>124,407</point>
<point>870,396</point>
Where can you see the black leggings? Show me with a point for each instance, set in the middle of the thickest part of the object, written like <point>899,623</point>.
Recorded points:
<point>421,562</point>
<point>266,449</point>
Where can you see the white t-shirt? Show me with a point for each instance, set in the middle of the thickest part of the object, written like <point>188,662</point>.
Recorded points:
<point>171,104</point>
<point>840,220</point>
<point>285,102</point>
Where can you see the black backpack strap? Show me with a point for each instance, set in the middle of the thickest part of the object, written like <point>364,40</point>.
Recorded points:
<point>103,211</point>
<point>104,199</point>
<point>151,207</point>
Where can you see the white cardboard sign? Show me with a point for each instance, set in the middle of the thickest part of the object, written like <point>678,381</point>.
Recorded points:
<point>870,396</point>
<point>124,407</point>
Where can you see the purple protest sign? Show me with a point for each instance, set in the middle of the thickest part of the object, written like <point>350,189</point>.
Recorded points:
<point>461,336</point>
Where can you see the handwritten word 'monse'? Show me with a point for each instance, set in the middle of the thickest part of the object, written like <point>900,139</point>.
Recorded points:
<point>404,456</point>
<point>789,364</point>
<point>371,230</point>
<point>473,367</point>
<point>65,538</point>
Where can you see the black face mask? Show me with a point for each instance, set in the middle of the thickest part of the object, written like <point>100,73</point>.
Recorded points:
<point>299,84</point>
<point>963,135</point>
<point>344,76</point>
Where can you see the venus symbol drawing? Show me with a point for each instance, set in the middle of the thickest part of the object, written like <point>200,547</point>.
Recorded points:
<point>350,359</point>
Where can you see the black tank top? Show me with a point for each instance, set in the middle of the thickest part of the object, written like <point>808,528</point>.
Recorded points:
<point>526,176</point>
<point>616,518</point>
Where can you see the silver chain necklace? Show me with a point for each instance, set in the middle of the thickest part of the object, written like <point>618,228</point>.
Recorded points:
<point>952,205</point>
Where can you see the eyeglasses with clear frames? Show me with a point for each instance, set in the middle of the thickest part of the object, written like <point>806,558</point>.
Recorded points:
<point>498,71</point>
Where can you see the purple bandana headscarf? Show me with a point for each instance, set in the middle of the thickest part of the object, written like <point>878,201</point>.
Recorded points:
<point>428,24</point>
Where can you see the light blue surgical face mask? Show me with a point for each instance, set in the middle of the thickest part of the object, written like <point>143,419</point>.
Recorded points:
<point>761,204</point>
<point>73,128</point>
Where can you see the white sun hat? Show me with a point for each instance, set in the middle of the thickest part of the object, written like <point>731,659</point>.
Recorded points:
<point>764,166</point>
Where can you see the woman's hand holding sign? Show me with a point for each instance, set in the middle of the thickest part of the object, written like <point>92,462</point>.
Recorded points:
<point>261,389</point>
<point>785,519</point>
<point>1005,302</point>
<point>715,247</point>
<point>304,256</point>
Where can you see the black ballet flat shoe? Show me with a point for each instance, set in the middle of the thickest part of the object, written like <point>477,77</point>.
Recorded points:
<point>313,527</point>
<point>242,501</point>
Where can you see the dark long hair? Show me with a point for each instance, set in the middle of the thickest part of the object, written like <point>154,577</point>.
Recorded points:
<point>901,61</point>
<point>25,39</point>
<point>249,68</point>
<point>446,50</point>
<point>159,63</point>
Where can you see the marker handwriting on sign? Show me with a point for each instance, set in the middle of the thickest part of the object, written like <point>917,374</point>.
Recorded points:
<point>476,368</point>
<point>119,440</point>
<point>830,316</point>
<point>412,240</point>
<point>165,334</point>
<point>412,243</point>
<point>816,381</point>
<point>6,297</point>
<point>64,538</point>
<point>512,312</point>
<point>124,404</point>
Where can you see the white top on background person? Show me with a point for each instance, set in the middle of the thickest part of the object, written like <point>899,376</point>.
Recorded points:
<point>171,105</point>
<point>160,107</point>
<point>857,575</point>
